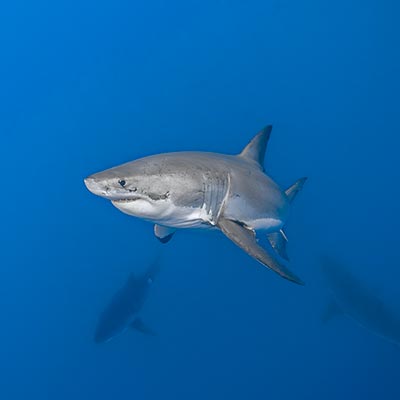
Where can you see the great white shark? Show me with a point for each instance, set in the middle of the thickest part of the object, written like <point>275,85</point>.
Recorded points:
<point>352,298</point>
<point>207,190</point>
<point>123,310</point>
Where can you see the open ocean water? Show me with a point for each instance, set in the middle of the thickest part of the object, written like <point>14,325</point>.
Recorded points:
<point>87,85</point>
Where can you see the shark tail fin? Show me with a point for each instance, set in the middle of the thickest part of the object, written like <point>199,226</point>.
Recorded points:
<point>291,192</point>
<point>255,150</point>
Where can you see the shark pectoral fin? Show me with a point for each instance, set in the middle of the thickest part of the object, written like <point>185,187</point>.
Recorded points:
<point>141,327</point>
<point>331,311</point>
<point>291,192</point>
<point>246,240</point>
<point>163,233</point>
<point>278,241</point>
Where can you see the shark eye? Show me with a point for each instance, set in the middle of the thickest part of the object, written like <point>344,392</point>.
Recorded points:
<point>122,182</point>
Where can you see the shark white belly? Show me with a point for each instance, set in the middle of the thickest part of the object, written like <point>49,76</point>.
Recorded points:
<point>172,216</point>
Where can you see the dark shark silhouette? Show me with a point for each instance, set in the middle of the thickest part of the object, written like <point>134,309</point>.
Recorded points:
<point>354,299</point>
<point>122,312</point>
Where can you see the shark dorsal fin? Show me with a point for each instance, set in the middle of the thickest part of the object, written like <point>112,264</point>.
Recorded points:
<point>255,150</point>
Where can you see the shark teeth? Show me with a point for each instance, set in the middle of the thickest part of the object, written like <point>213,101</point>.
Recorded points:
<point>123,200</point>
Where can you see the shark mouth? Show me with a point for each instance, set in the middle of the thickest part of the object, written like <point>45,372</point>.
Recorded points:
<point>124,200</point>
<point>148,196</point>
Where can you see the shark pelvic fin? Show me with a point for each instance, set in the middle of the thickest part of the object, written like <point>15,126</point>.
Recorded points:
<point>163,233</point>
<point>246,239</point>
<point>255,150</point>
<point>278,241</point>
<point>141,327</point>
<point>292,191</point>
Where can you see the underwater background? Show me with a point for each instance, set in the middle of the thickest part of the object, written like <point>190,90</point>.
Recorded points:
<point>86,85</point>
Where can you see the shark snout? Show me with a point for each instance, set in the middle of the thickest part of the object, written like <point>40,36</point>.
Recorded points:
<point>95,186</point>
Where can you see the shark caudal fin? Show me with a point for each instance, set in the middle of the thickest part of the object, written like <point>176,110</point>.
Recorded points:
<point>246,239</point>
<point>255,150</point>
<point>291,192</point>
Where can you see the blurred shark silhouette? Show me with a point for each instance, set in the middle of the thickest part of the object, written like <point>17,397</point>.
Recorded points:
<point>122,312</point>
<point>352,298</point>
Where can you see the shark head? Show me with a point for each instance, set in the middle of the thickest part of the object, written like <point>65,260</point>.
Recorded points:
<point>136,188</point>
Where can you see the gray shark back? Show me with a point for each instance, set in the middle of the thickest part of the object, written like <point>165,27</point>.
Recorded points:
<point>201,179</point>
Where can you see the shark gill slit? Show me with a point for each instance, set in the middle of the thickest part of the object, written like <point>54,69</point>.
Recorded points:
<point>216,192</point>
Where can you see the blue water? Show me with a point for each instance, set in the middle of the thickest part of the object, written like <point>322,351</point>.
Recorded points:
<point>86,85</point>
